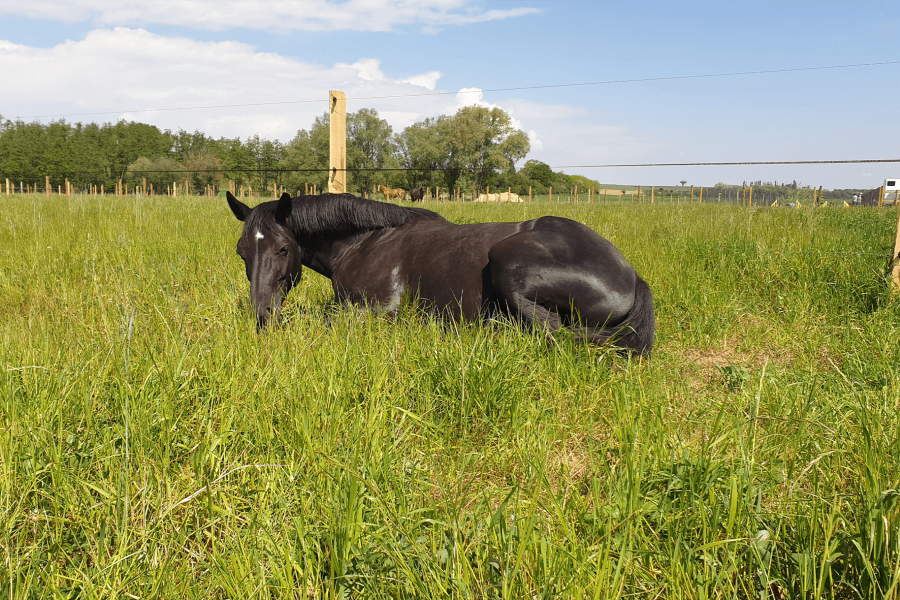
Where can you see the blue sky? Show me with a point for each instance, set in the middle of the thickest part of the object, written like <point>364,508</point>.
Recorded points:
<point>83,56</point>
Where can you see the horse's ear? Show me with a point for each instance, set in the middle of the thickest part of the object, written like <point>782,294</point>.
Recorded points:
<point>239,209</point>
<point>284,207</point>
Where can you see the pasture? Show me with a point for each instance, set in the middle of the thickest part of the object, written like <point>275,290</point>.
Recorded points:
<point>153,445</point>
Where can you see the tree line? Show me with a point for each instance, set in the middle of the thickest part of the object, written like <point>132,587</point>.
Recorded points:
<point>475,148</point>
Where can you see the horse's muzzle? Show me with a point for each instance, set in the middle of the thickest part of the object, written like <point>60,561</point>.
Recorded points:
<point>269,313</point>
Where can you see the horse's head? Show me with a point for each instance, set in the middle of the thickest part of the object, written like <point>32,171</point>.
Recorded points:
<point>270,252</point>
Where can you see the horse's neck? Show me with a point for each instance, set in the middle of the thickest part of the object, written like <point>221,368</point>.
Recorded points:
<point>324,253</point>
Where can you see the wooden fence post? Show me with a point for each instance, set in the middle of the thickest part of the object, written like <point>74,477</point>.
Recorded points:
<point>701,194</point>
<point>895,273</point>
<point>7,186</point>
<point>550,196</point>
<point>47,185</point>
<point>337,147</point>
<point>529,194</point>
<point>750,197</point>
<point>653,194</point>
<point>692,194</point>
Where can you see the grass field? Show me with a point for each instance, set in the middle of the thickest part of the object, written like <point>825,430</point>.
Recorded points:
<point>153,445</point>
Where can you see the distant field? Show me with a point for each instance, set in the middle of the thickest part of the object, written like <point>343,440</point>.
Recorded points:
<point>153,445</point>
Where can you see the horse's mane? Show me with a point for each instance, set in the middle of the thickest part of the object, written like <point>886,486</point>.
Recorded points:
<point>334,213</point>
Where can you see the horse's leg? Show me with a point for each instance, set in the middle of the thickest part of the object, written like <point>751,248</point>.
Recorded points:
<point>544,282</point>
<point>513,294</point>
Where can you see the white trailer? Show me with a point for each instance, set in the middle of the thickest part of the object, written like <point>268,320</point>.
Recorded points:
<point>891,189</point>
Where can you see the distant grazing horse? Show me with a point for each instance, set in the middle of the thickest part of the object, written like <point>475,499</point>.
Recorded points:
<point>389,193</point>
<point>549,272</point>
<point>417,194</point>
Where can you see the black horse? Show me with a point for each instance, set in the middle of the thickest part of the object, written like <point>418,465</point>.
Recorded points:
<point>417,194</point>
<point>549,272</point>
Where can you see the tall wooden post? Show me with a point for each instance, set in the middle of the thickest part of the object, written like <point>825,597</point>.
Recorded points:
<point>529,194</point>
<point>750,198</point>
<point>895,273</point>
<point>337,142</point>
<point>743,193</point>
<point>47,185</point>
<point>692,194</point>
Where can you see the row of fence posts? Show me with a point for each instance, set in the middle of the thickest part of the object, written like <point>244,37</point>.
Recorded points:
<point>122,189</point>
<point>456,194</point>
<point>593,193</point>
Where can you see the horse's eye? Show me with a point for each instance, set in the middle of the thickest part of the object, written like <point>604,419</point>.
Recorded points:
<point>283,251</point>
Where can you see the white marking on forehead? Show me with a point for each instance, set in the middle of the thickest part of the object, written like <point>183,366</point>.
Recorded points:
<point>259,235</point>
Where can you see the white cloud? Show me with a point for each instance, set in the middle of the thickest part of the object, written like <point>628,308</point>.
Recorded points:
<point>123,70</point>
<point>428,80</point>
<point>283,16</point>
<point>370,70</point>
<point>126,70</point>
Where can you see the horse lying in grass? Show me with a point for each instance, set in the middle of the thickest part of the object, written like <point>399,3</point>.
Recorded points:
<point>549,272</point>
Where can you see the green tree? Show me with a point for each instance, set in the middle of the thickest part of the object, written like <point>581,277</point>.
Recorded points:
<point>205,169</point>
<point>483,142</point>
<point>424,151</point>
<point>161,172</point>
<point>370,145</point>
<point>307,152</point>
<point>237,159</point>
<point>539,172</point>
<point>266,155</point>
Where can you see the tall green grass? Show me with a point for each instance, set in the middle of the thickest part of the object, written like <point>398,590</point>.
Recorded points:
<point>153,445</point>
